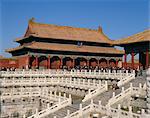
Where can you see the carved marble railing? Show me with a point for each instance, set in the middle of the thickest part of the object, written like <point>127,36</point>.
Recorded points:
<point>51,109</point>
<point>61,81</point>
<point>127,78</point>
<point>96,92</point>
<point>125,93</point>
<point>106,110</point>
<point>73,73</point>
<point>148,88</point>
<point>21,92</point>
<point>63,78</point>
<point>48,78</point>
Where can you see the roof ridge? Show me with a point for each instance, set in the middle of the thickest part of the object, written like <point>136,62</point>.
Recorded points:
<point>135,34</point>
<point>61,26</point>
<point>65,32</point>
<point>138,37</point>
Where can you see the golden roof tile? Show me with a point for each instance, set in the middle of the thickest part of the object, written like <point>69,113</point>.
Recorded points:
<point>139,37</point>
<point>50,31</point>
<point>65,47</point>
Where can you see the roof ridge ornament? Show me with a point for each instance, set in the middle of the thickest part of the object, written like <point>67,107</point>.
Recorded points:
<point>100,29</point>
<point>31,20</point>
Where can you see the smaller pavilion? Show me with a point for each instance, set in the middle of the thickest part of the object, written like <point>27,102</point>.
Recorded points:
<point>136,44</point>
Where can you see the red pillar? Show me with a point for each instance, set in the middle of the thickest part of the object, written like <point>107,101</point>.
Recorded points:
<point>132,58</point>
<point>125,60</point>
<point>48,63</point>
<point>139,65</point>
<point>73,62</point>
<point>88,63</point>
<point>61,62</point>
<point>36,61</point>
<point>147,58</point>
<point>98,63</point>
<point>116,63</point>
<point>28,62</point>
<point>108,63</point>
<point>139,61</point>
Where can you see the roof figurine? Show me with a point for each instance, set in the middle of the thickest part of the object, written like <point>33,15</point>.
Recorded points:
<point>32,19</point>
<point>100,29</point>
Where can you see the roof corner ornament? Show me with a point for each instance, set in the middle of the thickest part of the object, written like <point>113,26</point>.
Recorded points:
<point>32,20</point>
<point>100,29</point>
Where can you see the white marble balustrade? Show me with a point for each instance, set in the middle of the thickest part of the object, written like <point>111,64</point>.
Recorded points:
<point>61,81</point>
<point>51,109</point>
<point>96,92</point>
<point>31,92</point>
<point>106,110</point>
<point>148,88</point>
<point>126,93</point>
<point>73,73</point>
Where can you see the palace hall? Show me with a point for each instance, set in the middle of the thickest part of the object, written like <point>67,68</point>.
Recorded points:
<point>54,47</point>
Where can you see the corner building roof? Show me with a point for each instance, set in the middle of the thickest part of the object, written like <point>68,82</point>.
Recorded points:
<point>139,37</point>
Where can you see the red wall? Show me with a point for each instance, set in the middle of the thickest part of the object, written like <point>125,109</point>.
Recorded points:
<point>130,65</point>
<point>23,61</point>
<point>8,63</point>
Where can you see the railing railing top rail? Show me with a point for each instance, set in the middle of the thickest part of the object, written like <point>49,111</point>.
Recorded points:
<point>49,110</point>
<point>82,73</point>
<point>125,93</point>
<point>107,110</point>
<point>62,81</point>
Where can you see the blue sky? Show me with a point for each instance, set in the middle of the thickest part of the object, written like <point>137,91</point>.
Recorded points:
<point>118,18</point>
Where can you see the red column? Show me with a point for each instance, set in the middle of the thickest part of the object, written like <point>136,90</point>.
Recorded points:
<point>61,62</point>
<point>139,61</point>
<point>36,61</point>
<point>147,58</point>
<point>28,61</point>
<point>125,60</point>
<point>108,63</point>
<point>88,63</point>
<point>98,63</point>
<point>132,58</point>
<point>139,65</point>
<point>73,63</point>
<point>116,63</point>
<point>48,62</point>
